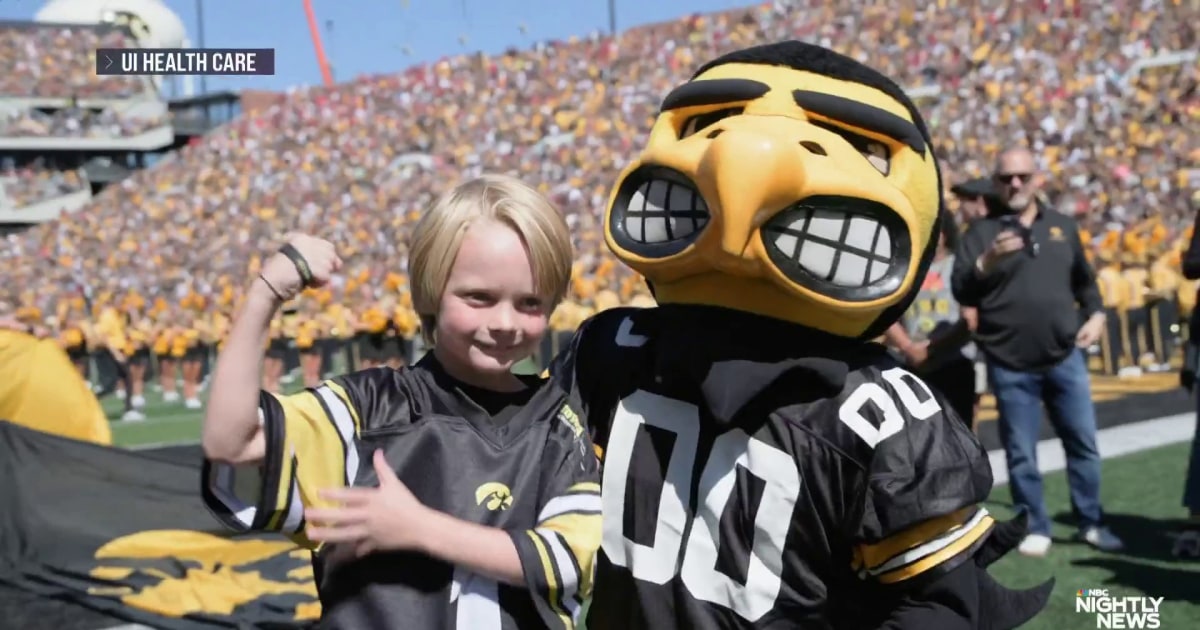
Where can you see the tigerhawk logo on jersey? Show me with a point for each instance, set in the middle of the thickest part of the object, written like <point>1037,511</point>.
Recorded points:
<point>178,573</point>
<point>497,495</point>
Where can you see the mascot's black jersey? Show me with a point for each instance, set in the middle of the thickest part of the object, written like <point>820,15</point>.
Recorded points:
<point>757,474</point>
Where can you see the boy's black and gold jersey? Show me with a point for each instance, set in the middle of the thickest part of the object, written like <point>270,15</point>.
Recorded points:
<point>760,475</point>
<point>527,467</point>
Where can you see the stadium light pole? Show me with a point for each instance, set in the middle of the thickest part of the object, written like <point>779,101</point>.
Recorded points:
<point>200,39</point>
<point>612,17</point>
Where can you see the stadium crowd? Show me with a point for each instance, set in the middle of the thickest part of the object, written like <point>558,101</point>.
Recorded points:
<point>356,163</point>
<point>59,61</point>
<point>75,123</point>
<point>56,63</point>
<point>29,185</point>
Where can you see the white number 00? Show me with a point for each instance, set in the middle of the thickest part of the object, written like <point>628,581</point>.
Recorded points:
<point>775,468</point>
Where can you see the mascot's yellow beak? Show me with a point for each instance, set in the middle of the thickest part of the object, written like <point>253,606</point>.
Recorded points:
<point>740,170</point>
<point>772,188</point>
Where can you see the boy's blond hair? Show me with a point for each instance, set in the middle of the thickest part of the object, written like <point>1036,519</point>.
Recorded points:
<point>439,234</point>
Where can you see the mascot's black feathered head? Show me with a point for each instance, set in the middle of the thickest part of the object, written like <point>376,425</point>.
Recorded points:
<point>784,180</point>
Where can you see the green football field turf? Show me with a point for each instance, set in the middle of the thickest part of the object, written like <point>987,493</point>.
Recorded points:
<point>1141,494</point>
<point>165,424</point>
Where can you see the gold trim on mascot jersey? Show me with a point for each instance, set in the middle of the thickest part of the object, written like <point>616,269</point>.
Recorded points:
<point>770,186</point>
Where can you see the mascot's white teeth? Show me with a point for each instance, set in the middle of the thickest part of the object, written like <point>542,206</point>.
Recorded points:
<point>847,250</point>
<point>661,211</point>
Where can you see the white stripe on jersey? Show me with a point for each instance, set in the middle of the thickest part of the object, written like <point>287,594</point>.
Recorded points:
<point>478,601</point>
<point>581,502</point>
<point>932,546</point>
<point>566,571</point>
<point>345,426</point>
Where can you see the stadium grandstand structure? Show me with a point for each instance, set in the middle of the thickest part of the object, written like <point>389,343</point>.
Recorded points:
<point>65,133</point>
<point>356,162</point>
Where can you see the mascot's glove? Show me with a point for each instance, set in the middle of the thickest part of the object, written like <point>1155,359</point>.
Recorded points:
<point>1003,608</point>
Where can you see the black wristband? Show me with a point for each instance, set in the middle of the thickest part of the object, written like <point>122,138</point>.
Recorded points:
<point>302,268</point>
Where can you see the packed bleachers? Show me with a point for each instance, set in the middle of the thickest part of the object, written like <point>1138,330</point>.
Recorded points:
<point>54,65</point>
<point>567,115</point>
<point>27,186</point>
<point>75,123</point>
<point>58,61</point>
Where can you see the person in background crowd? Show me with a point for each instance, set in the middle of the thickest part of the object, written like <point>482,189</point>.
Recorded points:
<point>168,366</point>
<point>972,198</point>
<point>310,335</point>
<point>392,343</point>
<point>138,350</point>
<point>1135,275</point>
<point>373,324</point>
<point>1113,299</point>
<point>1188,543</point>
<point>73,337</point>
<point>1026,273</point>
<point>114,342</point>
<point>935,335</point>
<point>406,324</point>
<point>15,322</point>
<point>190,348</point>
<point>1165,278</point>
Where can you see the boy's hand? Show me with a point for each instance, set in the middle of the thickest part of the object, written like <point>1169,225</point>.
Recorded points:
<point>386,518</point>
<point>322,259</point>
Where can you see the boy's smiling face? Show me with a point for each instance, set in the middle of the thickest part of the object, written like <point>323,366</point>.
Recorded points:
<point>490,316</point>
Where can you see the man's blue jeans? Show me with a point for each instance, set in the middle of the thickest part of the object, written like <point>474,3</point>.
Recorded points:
<point>1065,390</point>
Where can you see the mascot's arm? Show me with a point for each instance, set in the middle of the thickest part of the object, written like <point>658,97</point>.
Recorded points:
<point>923,541</point>
<point>967,597</point>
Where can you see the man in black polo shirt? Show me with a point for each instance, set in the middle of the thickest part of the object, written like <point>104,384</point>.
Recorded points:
<point>1023,267</point>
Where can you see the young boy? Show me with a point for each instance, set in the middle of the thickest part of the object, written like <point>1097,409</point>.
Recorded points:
<point>480,507</point>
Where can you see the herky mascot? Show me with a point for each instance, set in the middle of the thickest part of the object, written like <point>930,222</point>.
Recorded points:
<point>765,464</point>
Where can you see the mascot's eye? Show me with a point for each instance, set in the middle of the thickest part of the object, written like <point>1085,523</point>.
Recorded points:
<point>876,152</point>
<point>702,121</point>
<point>878,155</point>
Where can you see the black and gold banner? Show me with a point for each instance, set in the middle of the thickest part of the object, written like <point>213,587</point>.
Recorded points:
<point>127,534</point>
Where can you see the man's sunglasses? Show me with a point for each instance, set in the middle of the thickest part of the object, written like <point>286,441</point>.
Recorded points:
<point>1006,178</point>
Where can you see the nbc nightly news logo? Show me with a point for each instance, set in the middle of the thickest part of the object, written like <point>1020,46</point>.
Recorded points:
<point>1118,612</point>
